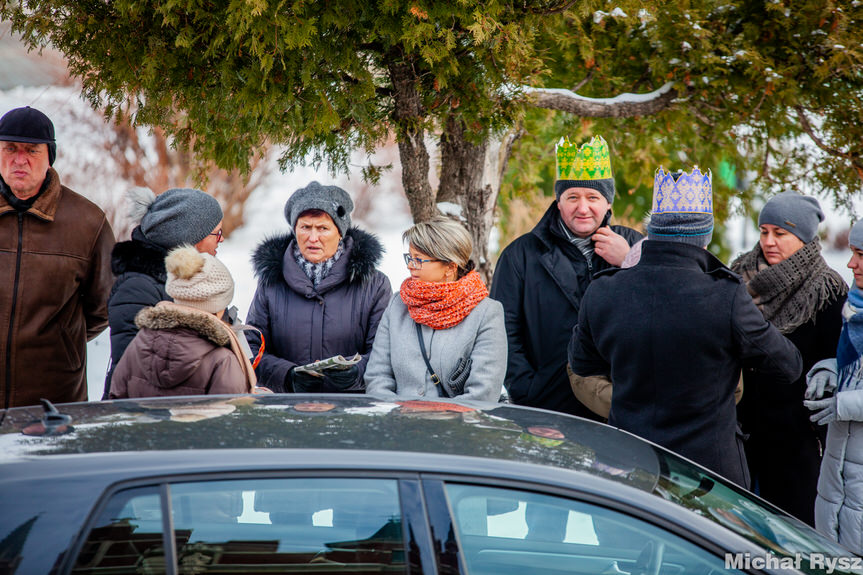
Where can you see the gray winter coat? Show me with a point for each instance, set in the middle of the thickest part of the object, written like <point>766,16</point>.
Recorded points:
<point>301,323</point>
<point>396,366</point>
<point>839,505</point>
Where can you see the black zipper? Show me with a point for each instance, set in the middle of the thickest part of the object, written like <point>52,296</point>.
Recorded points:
<point>12,312</point>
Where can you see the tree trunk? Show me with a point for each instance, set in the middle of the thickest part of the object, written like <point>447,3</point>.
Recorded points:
<point>472,174</point>
<point>410,134</point>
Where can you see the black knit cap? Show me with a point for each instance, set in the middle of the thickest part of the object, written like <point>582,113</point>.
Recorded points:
<point>29,126</point>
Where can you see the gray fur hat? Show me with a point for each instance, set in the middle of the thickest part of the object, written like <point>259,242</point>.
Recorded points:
<point>175,217</point>
<point>330,199</point>
<point>791,211</point>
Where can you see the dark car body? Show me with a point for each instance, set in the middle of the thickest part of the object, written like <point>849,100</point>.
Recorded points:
<point>348,483</point>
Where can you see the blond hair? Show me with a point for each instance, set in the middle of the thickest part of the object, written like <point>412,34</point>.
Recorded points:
<point>443,239</point>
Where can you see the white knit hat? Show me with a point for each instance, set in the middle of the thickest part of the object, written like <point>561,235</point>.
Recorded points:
<point>198,280</point>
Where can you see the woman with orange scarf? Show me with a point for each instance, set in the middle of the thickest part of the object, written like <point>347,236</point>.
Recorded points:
<point>441,335</point>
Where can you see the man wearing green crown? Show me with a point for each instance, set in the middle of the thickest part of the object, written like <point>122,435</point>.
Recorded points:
<point>542,275</point>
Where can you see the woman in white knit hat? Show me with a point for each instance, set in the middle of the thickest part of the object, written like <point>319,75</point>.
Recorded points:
<point>183,347</point>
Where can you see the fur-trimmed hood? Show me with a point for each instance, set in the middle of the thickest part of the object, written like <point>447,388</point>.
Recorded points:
<point>168,315</point>
<point>139,256</point>
<point>364,256</point>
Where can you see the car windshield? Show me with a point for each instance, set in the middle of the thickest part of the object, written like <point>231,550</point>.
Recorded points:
<point>722,502</point>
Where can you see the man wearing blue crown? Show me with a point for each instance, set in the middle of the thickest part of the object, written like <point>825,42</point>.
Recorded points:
<point>673,332</point>
<point>542,275</point>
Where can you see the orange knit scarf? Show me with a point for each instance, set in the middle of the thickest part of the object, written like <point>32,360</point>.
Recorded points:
<point>441,305</point>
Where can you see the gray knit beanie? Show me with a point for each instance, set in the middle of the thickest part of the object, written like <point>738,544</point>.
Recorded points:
<point>330,199</point>
<point>175,217</point>
<point>855,238</point>
<point>198,280</point>
<point>791,211</point>
<point>604,187</point>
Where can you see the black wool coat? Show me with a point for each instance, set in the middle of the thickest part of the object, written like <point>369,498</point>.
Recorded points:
<point>139,267</point>
<point>300,323</point>
<point>783,447</point>
<point>540,279</point>
<point>673,333</point>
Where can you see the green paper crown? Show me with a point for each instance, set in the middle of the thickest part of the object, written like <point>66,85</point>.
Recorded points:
<point>590,162</point>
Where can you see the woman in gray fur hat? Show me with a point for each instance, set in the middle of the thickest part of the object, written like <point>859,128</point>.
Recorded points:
<point>319,295</point>
<point>175,217</point>
<point>802,296</point>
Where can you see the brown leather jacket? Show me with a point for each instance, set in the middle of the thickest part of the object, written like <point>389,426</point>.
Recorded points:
<point>55,269</point>
<point>180,351</point>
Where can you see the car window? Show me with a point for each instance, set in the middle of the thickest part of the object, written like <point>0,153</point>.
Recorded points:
<point>741,512</point>
<point>505,531</point>
<point>252,526</point>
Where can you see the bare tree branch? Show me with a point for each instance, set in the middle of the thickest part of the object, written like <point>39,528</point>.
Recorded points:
<point>810,131</point>
<point>584,81</point>
<point>552,9</point>
<point>622,106</point>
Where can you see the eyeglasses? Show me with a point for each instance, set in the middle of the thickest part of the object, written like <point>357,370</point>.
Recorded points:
<point>218,235</point>
<point>416,263</point>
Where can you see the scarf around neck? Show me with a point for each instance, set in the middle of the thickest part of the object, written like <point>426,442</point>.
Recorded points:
<point>848,352</point>
<point>317,272</point>
<point>441,305</point>
<point>791,292</point>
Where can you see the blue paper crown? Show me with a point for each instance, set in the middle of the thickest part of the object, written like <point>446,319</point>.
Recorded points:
<point>690,193</point>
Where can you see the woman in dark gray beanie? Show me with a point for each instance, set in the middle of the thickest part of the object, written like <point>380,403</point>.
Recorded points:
<point>175,217</point>
<point>802,296</point>
<point>319,294</point>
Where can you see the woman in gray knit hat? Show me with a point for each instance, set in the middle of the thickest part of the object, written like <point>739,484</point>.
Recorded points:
<point>175,217</point>
<point>319,295</point>
<point>802,296</point>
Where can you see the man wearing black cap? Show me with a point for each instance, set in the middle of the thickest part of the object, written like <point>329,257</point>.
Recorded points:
<point>55,249</point>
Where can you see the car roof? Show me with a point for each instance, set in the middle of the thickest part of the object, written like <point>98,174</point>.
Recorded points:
<point>349,422</point>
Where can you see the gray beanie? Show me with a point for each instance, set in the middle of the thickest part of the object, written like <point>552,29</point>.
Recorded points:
<point>175,217</point>
<point>198,280</point>
<point>855,238</point>
<point>330,199</point>
<point>791,211</point>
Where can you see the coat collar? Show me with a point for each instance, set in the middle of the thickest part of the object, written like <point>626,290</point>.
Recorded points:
<point>45,206</point>
<point>361,260</point>
<point>139,255</point>
<point>677,255</point>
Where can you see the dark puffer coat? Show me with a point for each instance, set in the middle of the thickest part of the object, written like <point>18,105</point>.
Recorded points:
<point>672,333</point>
<point>784,448</point>
<point>540,279</point>
<point>139,266</point>
<point>300,323</point>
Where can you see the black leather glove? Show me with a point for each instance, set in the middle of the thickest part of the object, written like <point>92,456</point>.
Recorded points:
<point>304,382</point>
<point>341,379</point>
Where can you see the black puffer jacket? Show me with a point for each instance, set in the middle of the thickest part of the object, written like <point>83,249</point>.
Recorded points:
<point>140,269</point>
<point>301,323</point>
<point>540,279</point>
